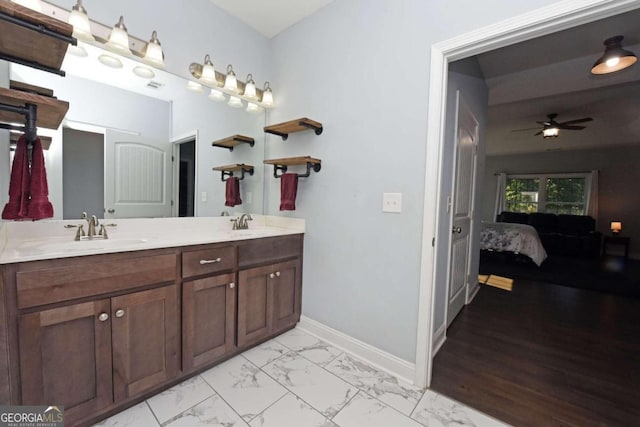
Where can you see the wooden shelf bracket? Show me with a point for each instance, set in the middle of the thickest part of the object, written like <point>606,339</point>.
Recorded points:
<point>284,129</point>
<point>281,165</point>
<point>228,171</point>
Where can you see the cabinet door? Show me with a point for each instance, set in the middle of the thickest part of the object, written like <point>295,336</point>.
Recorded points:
<point>65,358</point>
<point>145,340</point>
<point>286,283</point>
<point>254,302</point>
<point>208,320</point>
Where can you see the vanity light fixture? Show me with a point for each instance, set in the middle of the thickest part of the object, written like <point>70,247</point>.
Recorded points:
<point>253,108</point>
<point>79,20</point>
<point>194,86</point>
<point>31,4</point>
<point>216,95</point>
<point>208,75</point>
<point>234,102</point>
<point>250,88</point>
<point>119,38</point>
<point>615,58</point>
<point>153,53</point>
<point>551,132</point>
<point>230,82</point>
<point>267,95</point>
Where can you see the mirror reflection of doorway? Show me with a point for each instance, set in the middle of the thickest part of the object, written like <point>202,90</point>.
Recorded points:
<point>82,173</point>
<point>186,178</point>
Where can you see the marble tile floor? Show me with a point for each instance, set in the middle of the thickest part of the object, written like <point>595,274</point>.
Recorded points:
<point>297,380</point>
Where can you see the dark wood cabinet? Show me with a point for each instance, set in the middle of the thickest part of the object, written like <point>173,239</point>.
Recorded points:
<point>65,358</point>
<point>208,320</point>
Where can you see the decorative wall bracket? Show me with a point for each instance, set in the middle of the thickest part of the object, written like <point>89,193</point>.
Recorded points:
<point>228,171</point>
<point>282,165</point>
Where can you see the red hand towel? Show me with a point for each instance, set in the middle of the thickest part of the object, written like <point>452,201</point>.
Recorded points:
<point>233,192</point>
<point>39,207</point>
<point>18,205</point>
<point>288,191</point>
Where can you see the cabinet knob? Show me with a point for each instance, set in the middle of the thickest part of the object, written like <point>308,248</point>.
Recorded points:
<point>119,313</point>
<point>103,317</point>
<point>271,276</point>
<point>209,261</point>
<point>277,273</point>
<point>232,285</point>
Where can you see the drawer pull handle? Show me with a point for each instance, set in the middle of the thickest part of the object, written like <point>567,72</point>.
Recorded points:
<point>277,273</point>
<point>271,276</point>
<point>103,317</point>
<point>119,313</point>
<point>232,285</point>
<point>209,261</point>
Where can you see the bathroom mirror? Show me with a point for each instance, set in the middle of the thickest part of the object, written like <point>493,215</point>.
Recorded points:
<point>125,128</point>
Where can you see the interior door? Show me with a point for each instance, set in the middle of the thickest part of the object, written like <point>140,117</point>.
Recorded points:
<point>137,176</point>
<point>462,210</point>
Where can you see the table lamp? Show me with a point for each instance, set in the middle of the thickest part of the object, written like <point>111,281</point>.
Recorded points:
<point>616,226</point>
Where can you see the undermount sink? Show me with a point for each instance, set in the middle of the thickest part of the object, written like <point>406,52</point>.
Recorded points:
<point>82,245</point>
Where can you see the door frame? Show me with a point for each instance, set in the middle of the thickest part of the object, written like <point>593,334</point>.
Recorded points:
<point>539,22</point>
<point>175,170</point>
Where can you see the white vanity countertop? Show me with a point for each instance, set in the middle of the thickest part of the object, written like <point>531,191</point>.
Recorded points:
<point>31,241</point>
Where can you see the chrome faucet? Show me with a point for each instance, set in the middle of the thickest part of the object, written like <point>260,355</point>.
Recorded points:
<point>93,222</point>
<point>241,223</point>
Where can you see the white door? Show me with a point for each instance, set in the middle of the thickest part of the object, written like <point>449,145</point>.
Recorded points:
<point>462,210</point>
<point>137,176</point>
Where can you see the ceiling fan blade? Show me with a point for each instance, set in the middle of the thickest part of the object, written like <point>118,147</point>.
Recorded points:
<point>543,123</point>
<point>522,130</point>
<point>571,127</point>
<point>539,133</point>
<point>573,122</point>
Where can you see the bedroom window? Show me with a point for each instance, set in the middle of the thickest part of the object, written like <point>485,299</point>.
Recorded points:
<point>552,193</point>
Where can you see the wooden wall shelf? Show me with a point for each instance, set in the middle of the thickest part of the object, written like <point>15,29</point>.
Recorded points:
<point>232,141</point>
<point>228,171</point>
<point>282,165</point>
<point>50,111</point>
<point>32,38</point>
<point>299,125</point>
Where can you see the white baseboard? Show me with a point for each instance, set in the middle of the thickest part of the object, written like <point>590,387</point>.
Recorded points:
<point>361,350</point>
<point>473,293</point>
<point>439,337</point>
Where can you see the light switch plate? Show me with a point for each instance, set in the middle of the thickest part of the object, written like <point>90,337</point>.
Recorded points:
<point>203,196</point>
<point>392,202</point>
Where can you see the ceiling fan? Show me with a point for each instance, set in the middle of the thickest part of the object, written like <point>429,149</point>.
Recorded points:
<point>551,128</point>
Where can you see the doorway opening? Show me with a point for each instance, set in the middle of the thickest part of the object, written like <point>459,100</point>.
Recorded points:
<point>186,178</point>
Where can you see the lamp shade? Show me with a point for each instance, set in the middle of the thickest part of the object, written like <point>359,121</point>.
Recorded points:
<point>230,82</point>
<point>208,72</point>
<point>551,132</point>
<point>234,102</point>
<point>119,38</point>
<point>153,53</point>
<point>616,226</point>
<point>615,58</point>
<point>216,95</point>
<point>267,95</point>
<point>79,20</point>
<point>250,88</point>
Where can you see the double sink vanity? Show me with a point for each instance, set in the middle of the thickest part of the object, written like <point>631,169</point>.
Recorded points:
<point>98,324</point>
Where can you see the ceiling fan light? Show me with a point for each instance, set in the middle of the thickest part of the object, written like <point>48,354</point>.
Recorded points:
<point>552,132</point>
<point>615,58</point>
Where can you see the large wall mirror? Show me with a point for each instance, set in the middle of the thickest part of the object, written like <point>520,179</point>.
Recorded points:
<point>140,146</point>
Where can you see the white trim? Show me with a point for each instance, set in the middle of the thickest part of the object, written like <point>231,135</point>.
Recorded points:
<point>473,291</point>
<point>439,337</point>
<point>361,350</point>
<point>555,17</point>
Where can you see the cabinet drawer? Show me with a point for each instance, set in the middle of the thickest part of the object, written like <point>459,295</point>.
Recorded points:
<point>269,249</point>
<point>206,261</point>
<point>86,279</point>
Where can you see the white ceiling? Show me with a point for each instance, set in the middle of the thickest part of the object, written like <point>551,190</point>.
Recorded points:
<point>273,16</point>
<point>550,74</point>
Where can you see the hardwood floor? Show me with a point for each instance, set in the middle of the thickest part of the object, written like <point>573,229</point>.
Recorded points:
<point>545,355</point>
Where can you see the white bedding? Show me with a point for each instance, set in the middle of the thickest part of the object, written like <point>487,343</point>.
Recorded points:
<point>517,238</point>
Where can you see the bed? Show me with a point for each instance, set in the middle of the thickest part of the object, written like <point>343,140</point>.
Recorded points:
<point>517,238</point>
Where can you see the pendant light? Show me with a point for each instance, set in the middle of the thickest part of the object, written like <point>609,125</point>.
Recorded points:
<point>267,95</point>
<point>79,20</point>
<point>250,88</point>
<point>230,82</point>
<point>119,38</point>
<point>615,58</point>
<point>153,52</point>
<point>208,72</point>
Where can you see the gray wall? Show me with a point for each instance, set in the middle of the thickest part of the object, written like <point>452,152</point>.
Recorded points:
<point>5,166</point>
<point>361,67</point>
<point>619,198</point>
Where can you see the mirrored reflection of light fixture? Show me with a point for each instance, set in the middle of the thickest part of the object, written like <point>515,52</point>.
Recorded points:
<point>79,20</point>
<point>208,72</point>
<point>267,95</point>
<point>153,52</point>
<point>235,102</point>
<point>551,132</point>
<point>194,86</point>
<point>77,50</point>
<point>230,82</point>
<point>31,4</point>
<point>616,227</point>
<point>144,72</point>
<point>119,38</point>
<point>110,61</point>
<point>250,88</point>
<point>615,58</point>
<point>216,95</point>
<point>253,108</point>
